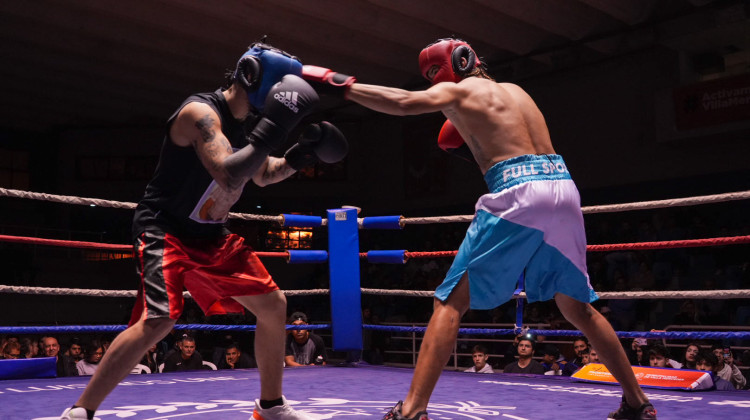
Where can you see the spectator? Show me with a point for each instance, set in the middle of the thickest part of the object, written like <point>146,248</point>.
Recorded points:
<point>593,356</point>
<point>150,359</point>
<point>65,365</point>
<point>638,352</point>
<point>688,359</point>
<point>302,346</point>
<point>511,351</point>
<point>552,360</point>
<point>725,367</point>
<point>234,358</point>
<point>525,364</point>
<point>92,355</point>
<point>29,348</point>
<point>658,357</point>
<point>579,345</point>
<point>186,359</point>
<point>479,356</point>
<point>75,351</point>
<point>585,357</point>
<point>705,360</point>
<point>12,350</point>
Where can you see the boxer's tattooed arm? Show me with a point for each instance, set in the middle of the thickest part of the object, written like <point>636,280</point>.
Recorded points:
<point>275,171</point>
<point>206,127</point>
<point>212,147</point>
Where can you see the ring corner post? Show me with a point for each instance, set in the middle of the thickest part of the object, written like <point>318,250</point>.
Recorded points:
<point>346,295</point>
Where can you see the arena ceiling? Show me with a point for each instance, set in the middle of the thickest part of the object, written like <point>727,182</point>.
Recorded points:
<point>115,63</point>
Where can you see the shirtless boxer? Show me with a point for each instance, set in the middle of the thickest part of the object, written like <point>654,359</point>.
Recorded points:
<point>214,144</point>
<point>530,223</point>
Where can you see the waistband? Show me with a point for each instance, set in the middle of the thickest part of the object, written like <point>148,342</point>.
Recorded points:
<point>525,168</point>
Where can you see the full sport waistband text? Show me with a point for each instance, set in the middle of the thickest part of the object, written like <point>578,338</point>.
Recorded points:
<point>534,169</point>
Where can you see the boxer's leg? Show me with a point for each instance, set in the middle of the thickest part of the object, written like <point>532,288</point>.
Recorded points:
<point>436,347</point>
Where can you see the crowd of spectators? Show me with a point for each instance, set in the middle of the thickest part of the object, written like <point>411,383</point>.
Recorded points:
<point>177,352</point>
<point>530,355</point>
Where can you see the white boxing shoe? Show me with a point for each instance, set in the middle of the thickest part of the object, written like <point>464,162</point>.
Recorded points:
<point>78,413</point>
<point>279,412</point>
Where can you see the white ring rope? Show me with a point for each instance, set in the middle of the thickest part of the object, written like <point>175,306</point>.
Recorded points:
<point>661,294</point>
<point>607,208</point>
<point>4,192</point>
<point>61,291</point>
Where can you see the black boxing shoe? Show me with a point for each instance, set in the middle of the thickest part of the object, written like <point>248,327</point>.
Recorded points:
<point>395,414</point>
<point>626,412</point>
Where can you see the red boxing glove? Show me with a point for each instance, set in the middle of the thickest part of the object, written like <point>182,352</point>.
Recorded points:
<point>451,141</point>
<point>327,81</point>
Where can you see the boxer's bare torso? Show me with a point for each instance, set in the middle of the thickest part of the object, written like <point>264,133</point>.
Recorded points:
<point>497,120</point>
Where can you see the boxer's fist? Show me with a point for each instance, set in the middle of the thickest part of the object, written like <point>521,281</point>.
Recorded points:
<point>327,81</point>
<point>451,141</point>
<point>319,142</point>
<point>287,102</point>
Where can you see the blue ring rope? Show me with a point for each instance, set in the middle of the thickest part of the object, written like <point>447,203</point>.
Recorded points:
<point>120,328</point>
<point>576,333</point>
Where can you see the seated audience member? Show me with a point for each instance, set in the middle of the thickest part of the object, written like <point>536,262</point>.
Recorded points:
<point>12,350</point>
<point>509,356</point>
<point>29,348</point>
<point>92,355</point>
<point>705,360</point>
<point>150,359</point>
<point>658,356</point>
<point>688,358</point>
<point>580,361</point>
<point>65,365</point>
<point>479,356</point>
<point>593,356</point>
<point>525,364</point>
<point>725,368</point>
<point>552,362</point>
<point>303,347</point>
<point>185,359</point>
<point>638,352</point>
<point>75,351</point>
<point>234,358</point>
<point>579,345</point>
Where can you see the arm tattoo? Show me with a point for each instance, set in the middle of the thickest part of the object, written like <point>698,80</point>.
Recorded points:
<point>277,170</point>
<point>206,127</point>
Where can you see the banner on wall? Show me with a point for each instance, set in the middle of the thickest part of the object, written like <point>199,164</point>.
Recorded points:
<point>650,377</point>
<point>712,103</point>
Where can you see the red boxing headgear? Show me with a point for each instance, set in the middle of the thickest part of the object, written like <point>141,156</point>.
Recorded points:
<point>446,53</point>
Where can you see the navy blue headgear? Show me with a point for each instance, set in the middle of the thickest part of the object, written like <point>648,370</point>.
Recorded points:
<point>261,67</point>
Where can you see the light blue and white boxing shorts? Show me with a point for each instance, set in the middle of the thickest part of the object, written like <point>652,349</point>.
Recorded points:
<point>530,223</point>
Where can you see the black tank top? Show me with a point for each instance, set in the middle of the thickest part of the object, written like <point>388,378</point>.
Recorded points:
<point>182,197</point>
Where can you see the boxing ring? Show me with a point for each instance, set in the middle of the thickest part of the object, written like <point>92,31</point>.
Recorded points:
<point>358,390</point>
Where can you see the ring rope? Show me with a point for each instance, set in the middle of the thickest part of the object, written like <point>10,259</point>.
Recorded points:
<point>660,294</point>
<point>575,333</point>
<point>120,328</point>
<point>62,291</point>
<point>606,208</point>
<point>685,243</point>
<point>67,199</point>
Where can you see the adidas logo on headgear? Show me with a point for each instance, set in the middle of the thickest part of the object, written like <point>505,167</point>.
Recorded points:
<point>289,99</point>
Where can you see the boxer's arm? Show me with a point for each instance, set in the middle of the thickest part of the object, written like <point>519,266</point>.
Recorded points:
<point>199,126</point>
<point>396,101</point>
<point>273,170</point>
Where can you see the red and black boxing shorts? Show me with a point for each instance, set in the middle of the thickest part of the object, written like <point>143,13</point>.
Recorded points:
<point>211,269</point>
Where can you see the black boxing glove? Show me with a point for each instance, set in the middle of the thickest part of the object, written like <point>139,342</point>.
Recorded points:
<point>287,102</point>
<point>327,81</point>
<point>319,142</point>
